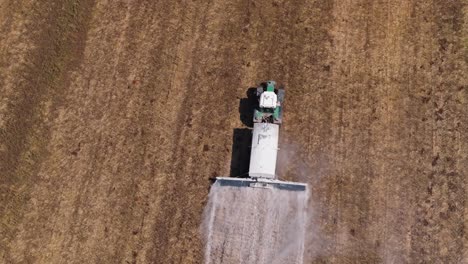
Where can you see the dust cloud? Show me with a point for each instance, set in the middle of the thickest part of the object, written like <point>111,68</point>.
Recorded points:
<point>254,225</point>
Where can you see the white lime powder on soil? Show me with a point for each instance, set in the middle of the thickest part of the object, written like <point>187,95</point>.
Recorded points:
<point>254,225</point>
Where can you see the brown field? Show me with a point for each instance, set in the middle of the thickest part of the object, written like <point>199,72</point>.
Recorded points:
<point>115,114</point>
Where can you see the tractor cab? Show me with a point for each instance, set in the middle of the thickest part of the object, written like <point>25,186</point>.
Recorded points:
<point>270,104</point>
<point>268,100</point>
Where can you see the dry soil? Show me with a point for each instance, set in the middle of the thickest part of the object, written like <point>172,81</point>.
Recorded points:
<point>115,114</point>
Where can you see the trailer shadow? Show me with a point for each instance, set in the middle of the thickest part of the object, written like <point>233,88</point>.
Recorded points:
<point>240,159</point>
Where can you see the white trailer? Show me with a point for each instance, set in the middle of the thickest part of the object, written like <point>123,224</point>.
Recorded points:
<point>264,151</point>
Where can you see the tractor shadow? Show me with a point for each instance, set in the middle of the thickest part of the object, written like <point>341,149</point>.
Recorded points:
<point>247,106</point>
<point>242,137</point>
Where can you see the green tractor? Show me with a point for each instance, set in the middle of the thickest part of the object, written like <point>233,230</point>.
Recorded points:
<point>270,108</point>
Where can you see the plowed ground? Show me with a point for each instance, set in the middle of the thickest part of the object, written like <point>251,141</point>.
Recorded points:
<point>115,114</point>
